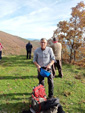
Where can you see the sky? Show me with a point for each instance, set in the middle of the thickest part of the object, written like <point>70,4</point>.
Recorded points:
<point>34,19</point>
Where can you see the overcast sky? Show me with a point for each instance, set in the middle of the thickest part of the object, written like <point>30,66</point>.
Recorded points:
<point>34,18</point>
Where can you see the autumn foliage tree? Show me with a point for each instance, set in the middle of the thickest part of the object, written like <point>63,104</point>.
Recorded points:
<point>72,32</point>
<point>61,33</point>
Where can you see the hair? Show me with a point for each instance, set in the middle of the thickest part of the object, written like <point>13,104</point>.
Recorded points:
<point>54,39</point>
<point>43,39</point>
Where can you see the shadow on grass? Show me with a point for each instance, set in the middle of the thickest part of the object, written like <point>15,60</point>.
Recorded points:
<point>11,96</point>
<point>19,107</point>
<point>20,77</point>
<point>16,61</point>
<point>15,105</point>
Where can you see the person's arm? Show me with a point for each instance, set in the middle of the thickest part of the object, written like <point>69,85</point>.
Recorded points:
<point>35,61</point>
<point>52,59</point>
<point>1,46</point>
<point>38,66</point>
<point>49,65</point>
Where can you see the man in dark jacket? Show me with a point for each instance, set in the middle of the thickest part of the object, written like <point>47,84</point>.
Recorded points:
<point>29,49</point>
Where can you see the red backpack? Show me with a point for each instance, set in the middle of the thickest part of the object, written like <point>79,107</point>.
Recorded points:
<point>38,96</point>
<point>39,91</point>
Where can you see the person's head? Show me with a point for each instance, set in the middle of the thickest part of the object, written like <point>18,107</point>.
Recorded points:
<point>43,43</point>
<point>54,39</point>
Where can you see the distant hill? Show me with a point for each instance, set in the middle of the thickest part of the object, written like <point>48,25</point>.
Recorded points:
<point>32,39</point>
<point>14,45</point>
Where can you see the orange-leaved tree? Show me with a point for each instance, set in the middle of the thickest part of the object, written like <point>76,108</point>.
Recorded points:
<point>72,32</point>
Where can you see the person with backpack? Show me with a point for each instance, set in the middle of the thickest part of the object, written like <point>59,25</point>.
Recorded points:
<point>44,59</point>
<point>29,49</point>
<point>1,51</point>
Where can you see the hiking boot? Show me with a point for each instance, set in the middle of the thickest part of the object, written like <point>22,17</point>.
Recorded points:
<point>60,76</point>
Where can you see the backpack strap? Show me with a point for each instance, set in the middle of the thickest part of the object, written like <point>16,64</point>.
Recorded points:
<point>37,99</point>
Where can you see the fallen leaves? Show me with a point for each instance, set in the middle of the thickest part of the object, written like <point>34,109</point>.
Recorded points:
<point>66,93</point>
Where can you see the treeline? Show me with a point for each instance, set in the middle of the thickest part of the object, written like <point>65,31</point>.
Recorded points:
<point>72,34</point>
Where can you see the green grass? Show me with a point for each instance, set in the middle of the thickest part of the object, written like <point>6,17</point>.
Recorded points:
<point>18,76</point>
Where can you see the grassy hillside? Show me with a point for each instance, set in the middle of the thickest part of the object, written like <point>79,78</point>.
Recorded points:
<point>18,76</point>
<point>14,45</point>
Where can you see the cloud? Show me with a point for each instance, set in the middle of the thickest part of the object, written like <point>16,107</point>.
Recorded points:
<point>7,7</point>
<point>33,18</point>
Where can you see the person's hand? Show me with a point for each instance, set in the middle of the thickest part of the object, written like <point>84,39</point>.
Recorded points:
<point>38,68</point>
<point>48,67</point>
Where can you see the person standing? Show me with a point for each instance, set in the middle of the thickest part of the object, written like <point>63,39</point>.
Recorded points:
<point>1,51</point>
<point>29,49</point>
<point>57,49</point>
<point>44,58</point>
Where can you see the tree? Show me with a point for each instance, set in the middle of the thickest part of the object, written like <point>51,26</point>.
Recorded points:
<point>71,32</point>
<point>77,26</point>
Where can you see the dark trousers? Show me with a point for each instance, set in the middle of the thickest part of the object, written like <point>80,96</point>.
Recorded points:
<point>29,54</point>
<point>0,54</point>
<point>58,64</point>
<point>50,83</point>
<point>53,70</point>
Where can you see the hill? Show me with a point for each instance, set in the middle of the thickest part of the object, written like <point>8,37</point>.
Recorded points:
<point>14,45</point>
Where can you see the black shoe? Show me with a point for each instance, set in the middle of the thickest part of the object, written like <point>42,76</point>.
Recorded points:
<point>60,76</point>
